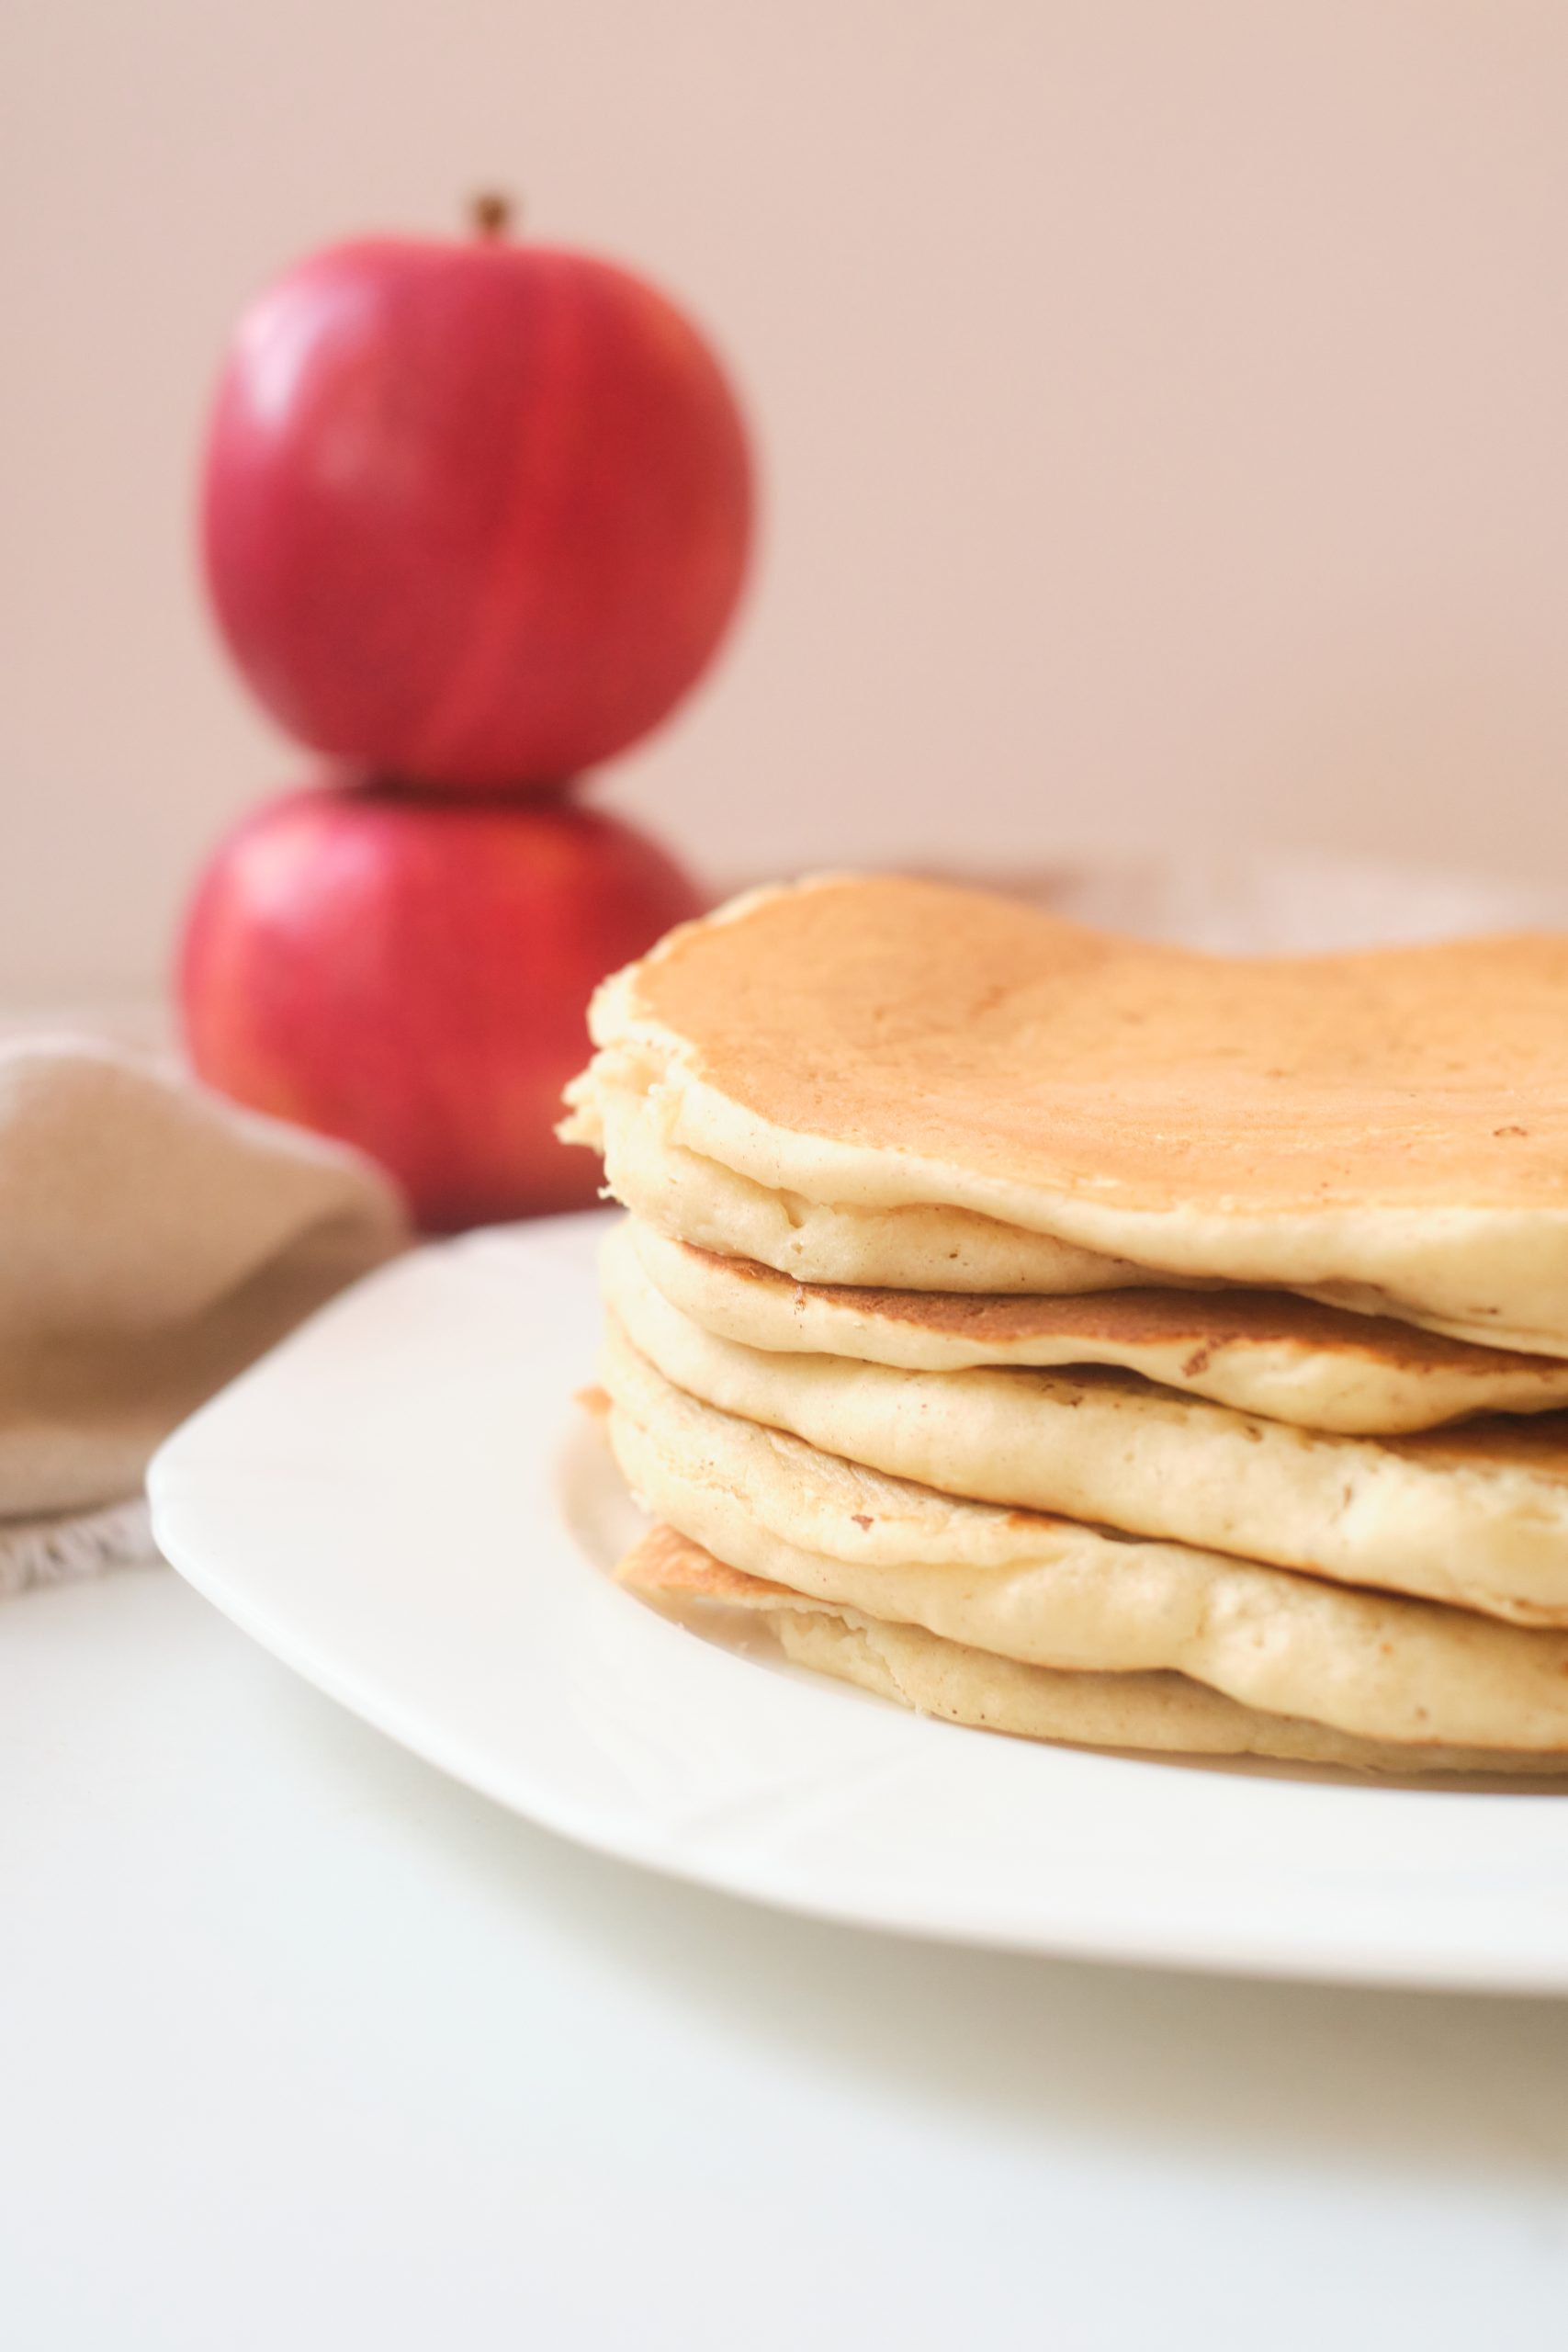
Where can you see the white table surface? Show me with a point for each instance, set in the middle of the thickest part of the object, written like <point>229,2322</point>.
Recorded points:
<point>302,2045</point>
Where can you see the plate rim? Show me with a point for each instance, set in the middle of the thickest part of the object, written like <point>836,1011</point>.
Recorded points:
<point>1203,1946</point>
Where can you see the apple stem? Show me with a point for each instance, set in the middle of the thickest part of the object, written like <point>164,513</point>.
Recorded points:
<point>491,213</point>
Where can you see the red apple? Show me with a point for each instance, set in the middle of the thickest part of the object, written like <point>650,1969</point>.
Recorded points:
<point>475,513</point>
<point>411,972</point>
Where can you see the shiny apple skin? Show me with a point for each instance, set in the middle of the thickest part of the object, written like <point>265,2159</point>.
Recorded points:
<point>473,513</point>
<point>410,973</point>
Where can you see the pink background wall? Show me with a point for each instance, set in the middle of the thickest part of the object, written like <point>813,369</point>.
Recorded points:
<point>1164,408</point>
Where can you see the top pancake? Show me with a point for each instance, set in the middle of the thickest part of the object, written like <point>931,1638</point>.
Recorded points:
<point>1391,1128</point>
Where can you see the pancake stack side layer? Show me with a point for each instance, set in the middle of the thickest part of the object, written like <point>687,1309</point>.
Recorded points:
<point>1096,1341</point>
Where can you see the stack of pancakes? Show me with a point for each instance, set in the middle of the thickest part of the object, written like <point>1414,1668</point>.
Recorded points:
<point>1098,1341</point>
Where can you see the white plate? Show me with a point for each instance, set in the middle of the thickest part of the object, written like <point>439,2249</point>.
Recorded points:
<point>401,1504</point>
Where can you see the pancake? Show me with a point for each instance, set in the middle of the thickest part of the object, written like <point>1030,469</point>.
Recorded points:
<point>1048,1591</point>
<point>1389,1128</point>
<point>688,1197</point>
<point>1476,1515</point>
<point>919,1670</point>
<point>1263,1352</point>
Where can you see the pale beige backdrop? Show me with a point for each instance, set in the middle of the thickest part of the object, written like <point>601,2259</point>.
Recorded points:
<point>1164,407</point>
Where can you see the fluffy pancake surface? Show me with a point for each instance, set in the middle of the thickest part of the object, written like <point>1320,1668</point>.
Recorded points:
<point>694,1198</point>
<point>1391,1127</point>
<point>1476,1515</point>
<point>1047,1591</point>
<point>934,1677</point>
<point>1263,1352</point>
<point>964,1331</point>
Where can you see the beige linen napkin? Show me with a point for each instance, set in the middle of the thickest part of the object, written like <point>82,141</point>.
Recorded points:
<point>153,1239</point>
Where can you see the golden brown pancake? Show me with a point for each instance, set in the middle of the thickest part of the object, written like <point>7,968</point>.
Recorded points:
<point>692,1198</point>
<point>921,1671</point>
<point>1263,1352</point>
<point>1475,1516</point>
<point>1051,1591</point>
<point>1390,1127</point>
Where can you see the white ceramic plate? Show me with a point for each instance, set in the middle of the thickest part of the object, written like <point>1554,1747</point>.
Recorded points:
<point>403,1504</point>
